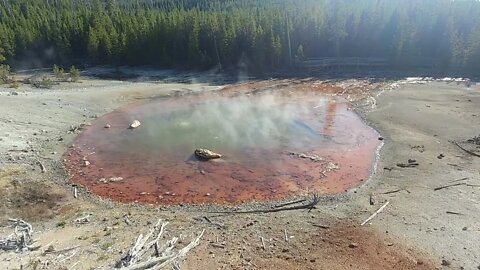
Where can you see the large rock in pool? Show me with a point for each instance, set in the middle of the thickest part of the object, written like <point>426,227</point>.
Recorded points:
<point>206,154</point>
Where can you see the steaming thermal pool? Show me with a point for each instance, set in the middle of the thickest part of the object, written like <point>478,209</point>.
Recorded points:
<point>274,145</point>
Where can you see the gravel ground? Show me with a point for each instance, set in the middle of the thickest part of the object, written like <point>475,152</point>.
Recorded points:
<point>417,121</point>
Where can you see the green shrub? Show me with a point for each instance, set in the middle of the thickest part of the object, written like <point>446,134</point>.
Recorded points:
<point>14,84</point>
<point>44,82</point>
<point>59,72</point>
<point>4,74</point>
<point>74,74</point>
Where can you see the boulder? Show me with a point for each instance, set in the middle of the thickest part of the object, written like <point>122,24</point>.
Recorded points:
<point>135,124</point>
<point>206,154</point>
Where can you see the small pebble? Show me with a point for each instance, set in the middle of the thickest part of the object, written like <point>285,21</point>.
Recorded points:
<point>353,245</point>
<point>445,263</point>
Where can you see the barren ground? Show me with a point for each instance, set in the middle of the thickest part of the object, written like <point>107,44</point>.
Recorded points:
<point>419,229</point>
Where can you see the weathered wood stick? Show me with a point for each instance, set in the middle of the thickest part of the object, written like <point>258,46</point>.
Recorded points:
<point>149,264</point>
<point>217,245</point>
<point>321,226</point>
<point>447,186</point>
<point>309,206</point>
<point>286,236</point>
<point>42,167</point>
<point>393,191</point>
<point>458,180</point>
<point>182,252</point>
<point>376,213</point>
<point>466,150</point>
<point>61,251</point>
<point>454,213</point>
<point>263,243</point>
<point>289,203</point>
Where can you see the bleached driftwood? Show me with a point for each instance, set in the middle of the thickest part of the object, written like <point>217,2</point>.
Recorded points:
<point>83,220</point>
<point>161,255</point>
<point>42,167</point>
<point>374,214</point>
<point>21,239</point>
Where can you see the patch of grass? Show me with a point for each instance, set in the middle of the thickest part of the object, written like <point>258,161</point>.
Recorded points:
<point>96,241</point>
<point>44,82</point>
<point>61,224</point>
<point>14,85</point>
<point>106,246</point>
<point>102,257</point>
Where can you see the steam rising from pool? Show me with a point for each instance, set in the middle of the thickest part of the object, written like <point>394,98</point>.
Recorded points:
<point>275,144</point>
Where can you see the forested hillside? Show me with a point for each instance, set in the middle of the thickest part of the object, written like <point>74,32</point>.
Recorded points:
<point>204,33</point>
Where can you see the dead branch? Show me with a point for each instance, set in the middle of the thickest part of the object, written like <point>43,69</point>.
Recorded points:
<point>454,185</point>
<point>289,203</point>
<point>182,252</point>
<point>61,251</point>
<point>454,213</point>
<point>393,191</point>
<point>217,245</point>
<point>447,186</point>
<point>374,214</point>
<point>21,239</point>
<point>83,220</point>
<point>309,206</point>
<point>42,167</point>
<point>161,255</point>
<point>372,199</point>
<point>321,226</point>
<point>127,220</point>
<point>466,150</point>
<point>458,180</point>
<point>149,264</point>
<point>218,225</point>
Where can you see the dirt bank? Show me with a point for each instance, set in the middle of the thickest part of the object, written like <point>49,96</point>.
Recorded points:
<point>414,231</point>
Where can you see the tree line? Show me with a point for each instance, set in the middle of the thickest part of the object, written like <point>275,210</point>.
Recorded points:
<point>262,35</point>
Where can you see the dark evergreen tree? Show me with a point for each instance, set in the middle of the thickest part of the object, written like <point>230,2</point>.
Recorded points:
<point>260,34</point>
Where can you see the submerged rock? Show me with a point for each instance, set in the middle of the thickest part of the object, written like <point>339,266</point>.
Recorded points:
<point>206,154</point>
<point>135,124</point>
